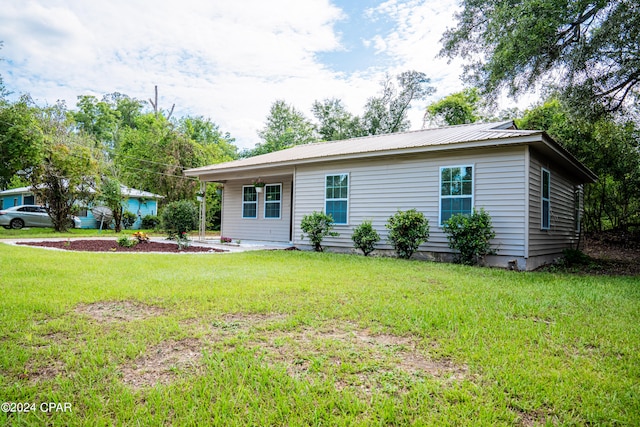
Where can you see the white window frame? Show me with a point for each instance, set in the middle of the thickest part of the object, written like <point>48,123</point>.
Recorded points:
<point>544,199</point>
<point>338,199</point>
<point>250,202</point>
<point>266,202</point>
<point>471,196</point>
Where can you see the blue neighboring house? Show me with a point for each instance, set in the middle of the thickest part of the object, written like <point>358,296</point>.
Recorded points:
<point>141,203</point>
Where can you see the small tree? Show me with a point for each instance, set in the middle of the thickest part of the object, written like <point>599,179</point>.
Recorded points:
<point>407,231</point>
<point>365,237</point>
<point>113,199</point>
<point>317,226</point>
<point>470,236</point>
<point>128,219</point>
<point>179,217</point>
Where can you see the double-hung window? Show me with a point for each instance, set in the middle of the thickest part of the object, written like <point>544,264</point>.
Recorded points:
<point>546,200</point>
<point>456,191</point>
<point>272,201</point>
<point>249,202</point>
<point>337,197</point>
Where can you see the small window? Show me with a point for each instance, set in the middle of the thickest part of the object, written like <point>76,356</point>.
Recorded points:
<point>456,191</point>
<point>249,202</point>
<point>337,197</point>
<point>272,201</point>
<point>546,200</point>
<point>29,200</point>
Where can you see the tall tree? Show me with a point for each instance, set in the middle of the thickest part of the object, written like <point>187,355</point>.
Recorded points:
<point>285,128</point>
<point>153,155</point>
<point>589,50</point>
<point>21,138</point>
<point>388,112</point>
<point>68,171</point>
<point>104,120</point>
<point>455,109</point>
<point>335,122</point>
<point>206,133</point>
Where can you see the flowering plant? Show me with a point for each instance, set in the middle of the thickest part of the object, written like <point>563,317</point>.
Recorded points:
<point>225,240</point>
<point>140,236</point>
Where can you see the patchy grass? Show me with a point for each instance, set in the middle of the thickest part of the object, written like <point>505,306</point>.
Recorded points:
<point>300,338</point>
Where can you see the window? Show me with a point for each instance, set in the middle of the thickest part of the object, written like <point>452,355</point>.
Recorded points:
<point>337,197</point>
<point>272,200</point>
<point>29,200</point>
<point>546,200</point>
<point>456,191</point>
<point>249,202</point>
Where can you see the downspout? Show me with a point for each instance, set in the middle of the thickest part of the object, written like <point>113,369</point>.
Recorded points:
<point>527,185</point>
<point>293,206</point>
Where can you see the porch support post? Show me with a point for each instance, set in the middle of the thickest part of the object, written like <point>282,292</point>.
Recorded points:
<point>203,211</point>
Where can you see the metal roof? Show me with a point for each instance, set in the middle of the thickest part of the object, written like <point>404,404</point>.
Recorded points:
<point>377,143</point>
<point>126,191</point>
<point>451,137</point>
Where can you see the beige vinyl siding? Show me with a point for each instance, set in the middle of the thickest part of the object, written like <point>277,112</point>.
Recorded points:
<point>379,187</point>
<point>260,228</point>
<point>562,233</point>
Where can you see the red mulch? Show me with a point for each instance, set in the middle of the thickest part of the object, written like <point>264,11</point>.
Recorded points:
<point>96,245</point>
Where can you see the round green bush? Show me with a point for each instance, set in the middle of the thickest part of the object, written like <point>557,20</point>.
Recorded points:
<point>317,226</point>
<point>179,217</point>
<point>407,231</point>
<point>470,235</point>
<point>365,237</point>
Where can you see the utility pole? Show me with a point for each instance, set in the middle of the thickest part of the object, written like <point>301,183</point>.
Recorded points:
<point>154,104</point>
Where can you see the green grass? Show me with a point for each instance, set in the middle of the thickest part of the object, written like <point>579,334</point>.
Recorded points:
<point>300,338</point>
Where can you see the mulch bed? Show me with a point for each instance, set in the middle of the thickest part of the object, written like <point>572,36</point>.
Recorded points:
<point>95,245</point>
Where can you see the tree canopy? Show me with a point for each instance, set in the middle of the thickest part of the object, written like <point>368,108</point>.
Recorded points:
<point>588,50</point>
<point>611,148</point>
<point>285,127</point>
<point>455,109</point>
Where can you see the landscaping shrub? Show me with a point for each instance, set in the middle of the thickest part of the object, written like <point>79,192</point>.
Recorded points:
<point>407,231</point>
<point>150,222</point>
<point>128,219</point>
<point>179,217</point>
<point>183,241</point>
<point>365,237</point>
<point>125,242</point>
<point>317,226</point>
<point>470,236</point>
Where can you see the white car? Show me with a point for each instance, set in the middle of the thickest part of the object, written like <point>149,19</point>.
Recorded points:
<point>18,217</point>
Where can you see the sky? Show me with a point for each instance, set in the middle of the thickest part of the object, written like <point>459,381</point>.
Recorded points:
<point>227,60</point>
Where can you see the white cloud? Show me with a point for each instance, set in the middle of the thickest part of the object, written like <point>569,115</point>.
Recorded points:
<point>227,60</point>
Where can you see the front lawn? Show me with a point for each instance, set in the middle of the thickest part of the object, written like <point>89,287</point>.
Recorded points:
<point>300,338</point>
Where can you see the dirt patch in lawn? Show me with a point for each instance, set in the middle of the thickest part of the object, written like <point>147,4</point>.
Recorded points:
<point>162,363</point>
<point>97,245</point>
<point>387,351</point>
<point>356,358</point>
<point>118,311</point>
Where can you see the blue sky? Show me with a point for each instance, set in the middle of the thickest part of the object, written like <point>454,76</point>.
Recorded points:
<point>228,60</point>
